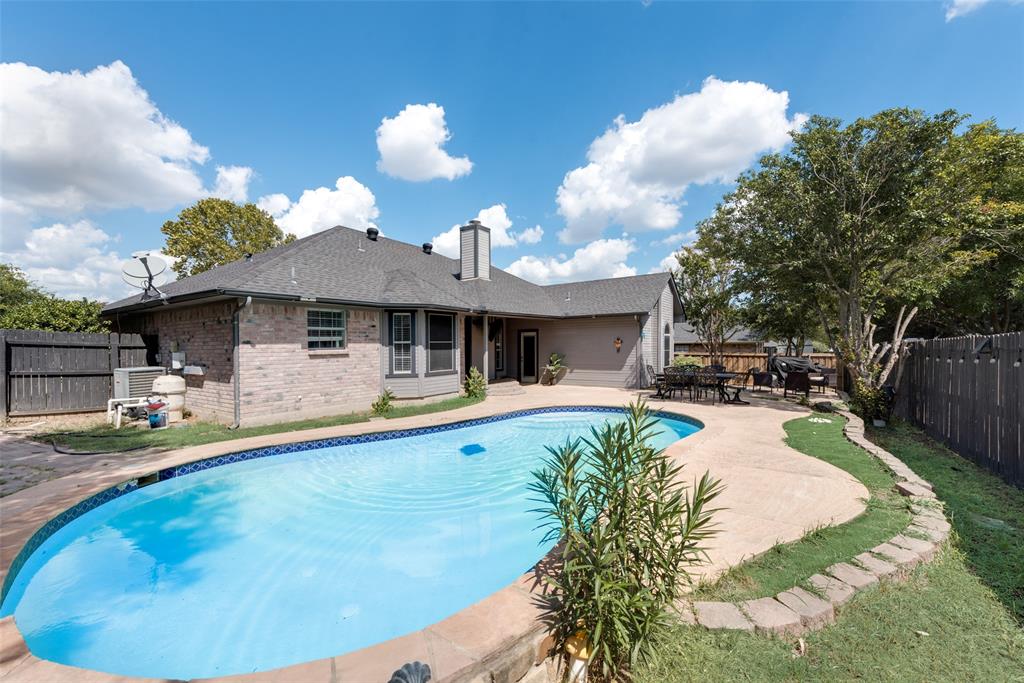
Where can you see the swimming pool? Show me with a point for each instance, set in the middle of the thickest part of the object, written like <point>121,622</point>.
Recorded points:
<point>246,563</point>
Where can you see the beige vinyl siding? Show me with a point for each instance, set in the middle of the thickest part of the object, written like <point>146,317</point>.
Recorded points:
<point>649,355</point>
<point>467,254</point>
<point>588,347</point>
<point>665,317</point>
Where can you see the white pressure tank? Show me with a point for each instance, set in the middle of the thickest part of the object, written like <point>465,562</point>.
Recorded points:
<point>173,388</point>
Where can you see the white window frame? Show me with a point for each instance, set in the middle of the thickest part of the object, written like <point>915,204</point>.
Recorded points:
<point>430,345</point>
<point>328,337</point>
<point>409,344</point>
<point>666,346</point>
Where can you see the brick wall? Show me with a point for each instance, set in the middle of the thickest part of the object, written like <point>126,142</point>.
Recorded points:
<point>282,380</point>
<point>203,333</point>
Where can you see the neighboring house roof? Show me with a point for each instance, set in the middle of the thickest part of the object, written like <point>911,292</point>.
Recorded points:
<point>342,265</point>
<point>683,334</point>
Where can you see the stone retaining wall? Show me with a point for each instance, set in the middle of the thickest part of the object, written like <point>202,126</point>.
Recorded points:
<point>797,610</point>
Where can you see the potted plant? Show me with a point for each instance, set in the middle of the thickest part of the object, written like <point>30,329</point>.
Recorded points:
<point>555,368</point>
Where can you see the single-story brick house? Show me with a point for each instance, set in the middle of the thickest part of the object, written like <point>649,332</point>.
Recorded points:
<point>322,325</point>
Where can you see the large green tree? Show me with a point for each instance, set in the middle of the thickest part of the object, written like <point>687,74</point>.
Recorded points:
<point>706,285</point>
<point>15,288</point>
<point>216,231</point>
<point>984,173</point>
<point>24,306</point>
<point>852,219</point>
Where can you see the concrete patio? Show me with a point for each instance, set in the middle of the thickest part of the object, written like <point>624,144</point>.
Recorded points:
<point>772,494</point>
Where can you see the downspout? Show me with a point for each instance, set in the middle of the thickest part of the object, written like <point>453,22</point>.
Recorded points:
<point>641,370</point>
<point>235,337</point>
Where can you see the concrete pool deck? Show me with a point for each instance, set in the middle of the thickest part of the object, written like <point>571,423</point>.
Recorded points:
<point>772,494</point>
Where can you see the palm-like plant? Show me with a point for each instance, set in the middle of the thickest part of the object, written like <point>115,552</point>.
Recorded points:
<point>628,530</point>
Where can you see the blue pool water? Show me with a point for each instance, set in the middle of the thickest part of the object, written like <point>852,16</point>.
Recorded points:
<point>269,562</point>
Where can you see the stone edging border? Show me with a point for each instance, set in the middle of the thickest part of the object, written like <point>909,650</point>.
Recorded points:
<point>796,611</point>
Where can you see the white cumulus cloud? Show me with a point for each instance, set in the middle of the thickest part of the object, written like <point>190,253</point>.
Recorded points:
<point>638,171</point>
<point>274,204</point>
<point>959,8</point>
<point>600,259</point>
<point>531,235</point>
<point>74,260</point>
<point>233,183</point>
<point>675,239</point>
<point>666,265</point>
<point>411,145</point>
<point>496,218</point>
<point>350,203</point>
<point>72,142</point>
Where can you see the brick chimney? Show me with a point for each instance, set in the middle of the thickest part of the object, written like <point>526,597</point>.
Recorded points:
<point>475,251</point>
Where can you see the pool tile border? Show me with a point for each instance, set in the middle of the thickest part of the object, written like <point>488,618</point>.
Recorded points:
<point>105,496</point>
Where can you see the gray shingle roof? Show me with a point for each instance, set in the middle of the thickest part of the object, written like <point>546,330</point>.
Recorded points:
<point>683,334</point>
<point>342,265</point>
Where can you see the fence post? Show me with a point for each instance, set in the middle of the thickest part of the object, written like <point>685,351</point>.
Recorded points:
<point>115,352</point>
<point>3,375</point>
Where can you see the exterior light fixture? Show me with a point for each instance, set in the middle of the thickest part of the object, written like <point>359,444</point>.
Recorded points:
<point>618,344</point>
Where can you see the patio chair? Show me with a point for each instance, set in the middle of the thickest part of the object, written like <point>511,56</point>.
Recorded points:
<point>761,379</point>
<point>660,383</point>
<point>824,379</point>
<point>717,368</point>
<point>705,381</point>
<point>797,382</point>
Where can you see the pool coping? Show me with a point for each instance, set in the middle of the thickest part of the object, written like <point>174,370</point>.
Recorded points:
<point>461,647</point>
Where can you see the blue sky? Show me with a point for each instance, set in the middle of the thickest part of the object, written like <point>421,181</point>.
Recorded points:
<point>293,95</point>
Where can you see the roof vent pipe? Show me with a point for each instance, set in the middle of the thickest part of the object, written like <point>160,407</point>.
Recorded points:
<point>427,247</point>
<point>372,233</point>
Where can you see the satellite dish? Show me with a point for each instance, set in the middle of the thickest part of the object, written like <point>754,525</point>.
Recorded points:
<point>146,272</point>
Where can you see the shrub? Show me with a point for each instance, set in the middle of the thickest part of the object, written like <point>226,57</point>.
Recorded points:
<point>868,401</point>
<point>383,404</point>
<point>628,529</point>
<point>680,361</point>
<point>555,366</point>
<point>475,385</point>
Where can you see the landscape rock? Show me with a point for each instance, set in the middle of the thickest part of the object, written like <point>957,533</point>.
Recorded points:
<point>814,612</point>
<point>834,590</point>
<point>721,615</point>
<point>848,574</point>
<point>908,488</point>
<point>924,549</point>
<point>877,566</point>
<point>904,558</point>
<point>771,617</point>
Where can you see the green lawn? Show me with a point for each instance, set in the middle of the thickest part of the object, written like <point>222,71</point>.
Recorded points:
<point>954,619</point>
<point>106,438</point>
<point>878,637</point>
<point>987,514</point>
<point>789,564</point>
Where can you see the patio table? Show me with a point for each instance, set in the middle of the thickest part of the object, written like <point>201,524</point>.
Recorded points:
<point>721,386</point>
<point>723,379</point>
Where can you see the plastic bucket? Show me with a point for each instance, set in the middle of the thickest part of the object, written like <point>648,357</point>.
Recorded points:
<point>157,416</point>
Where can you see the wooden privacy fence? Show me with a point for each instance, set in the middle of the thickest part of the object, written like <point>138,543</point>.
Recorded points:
<point>972,402</point>
<point>62,372</point>
<point>741,362</point>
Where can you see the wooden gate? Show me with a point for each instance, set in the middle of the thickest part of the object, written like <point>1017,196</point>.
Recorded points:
<point>62,372</point>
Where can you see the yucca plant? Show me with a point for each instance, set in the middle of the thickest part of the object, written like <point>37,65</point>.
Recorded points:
<point>475,385</point>
<point>628,530</point>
